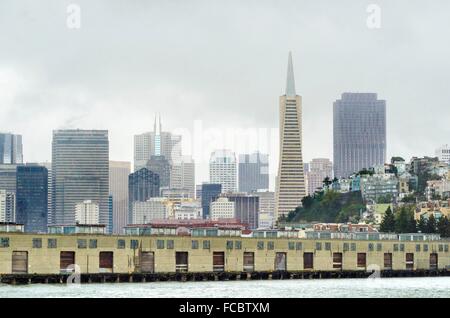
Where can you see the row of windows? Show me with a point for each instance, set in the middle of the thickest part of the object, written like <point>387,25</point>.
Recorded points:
<point>169,244</point>
<point>82,243</point>
<point>51,243</point>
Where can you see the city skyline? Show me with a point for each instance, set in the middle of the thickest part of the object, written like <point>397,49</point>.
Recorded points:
<point>182,87</point>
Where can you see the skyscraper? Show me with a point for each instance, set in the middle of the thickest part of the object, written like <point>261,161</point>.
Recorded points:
<point>253,172</point>
<point>142,185</point>
<point>161,166</point>
<point>182,175</point>
<point>80,164</point>
<point>290,185</point>
<point>8,181</point>
<point>10,148</point>
<point>319,169</point>
<point>7,206</point>
<point>156,143</point>
<point>359,133</point>
<point>86,212</point>
<point>32,197</point>
<point>209,193</point>
<point>118,189</point>
<point>222,170</point>
<point>48,165</point>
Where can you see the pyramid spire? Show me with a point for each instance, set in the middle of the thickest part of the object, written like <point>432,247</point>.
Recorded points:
<point>157,125</point>
<point>290,81</point>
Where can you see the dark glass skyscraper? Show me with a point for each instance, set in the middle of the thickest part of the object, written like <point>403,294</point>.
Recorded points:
<point>359,133</point>
<point>80,165</point>
<point>32,197</point>
<point>142,185</point>
<point>210,191</point>
<point>253,172</point>
<point>161,166</point>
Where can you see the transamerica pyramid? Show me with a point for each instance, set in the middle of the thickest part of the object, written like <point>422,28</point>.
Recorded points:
<point>290,183</point>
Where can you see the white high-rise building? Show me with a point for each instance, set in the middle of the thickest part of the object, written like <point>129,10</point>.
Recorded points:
<point>222,208</point>
<point>290,184</point>
<point>222,170</point>
<point>188,210</point>
<point>2,206</point>
<point>443,153</point>
<point>153,209</point>
<point>87,212</point>
<point>8,183</point>
<point>182,175</point>
<point>7,206</point>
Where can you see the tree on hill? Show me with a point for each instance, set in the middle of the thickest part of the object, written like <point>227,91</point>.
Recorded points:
<point>404,220</point>
<point>443,227</point>
<point>365,172</point>
<point>307,201</point>
<point>327,181</point>
<point>422,224</point>
<point>431,225</point>
<point>382,199</point>
<point>409,199</point>
<point>396,159</point>
<point>388,222</point>
<point>330,206</point>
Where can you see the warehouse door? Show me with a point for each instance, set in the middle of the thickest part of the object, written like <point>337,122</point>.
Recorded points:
<point>308,260</point>
<point>19,262</point>
<point>388,261</point>
<point>337,260</point>
<point>249,261</point>
<point>65,260</point>
<point>433,261</point>
<point>147,262</point>
<point>409,261</point>
<point>218,261</point>
<point>181,259</point>
<point>361,260</point>
<point>106,261</point>
<point>280,261</point>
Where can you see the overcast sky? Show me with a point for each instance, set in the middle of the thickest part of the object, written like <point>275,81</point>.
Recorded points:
<point>222,65</point>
